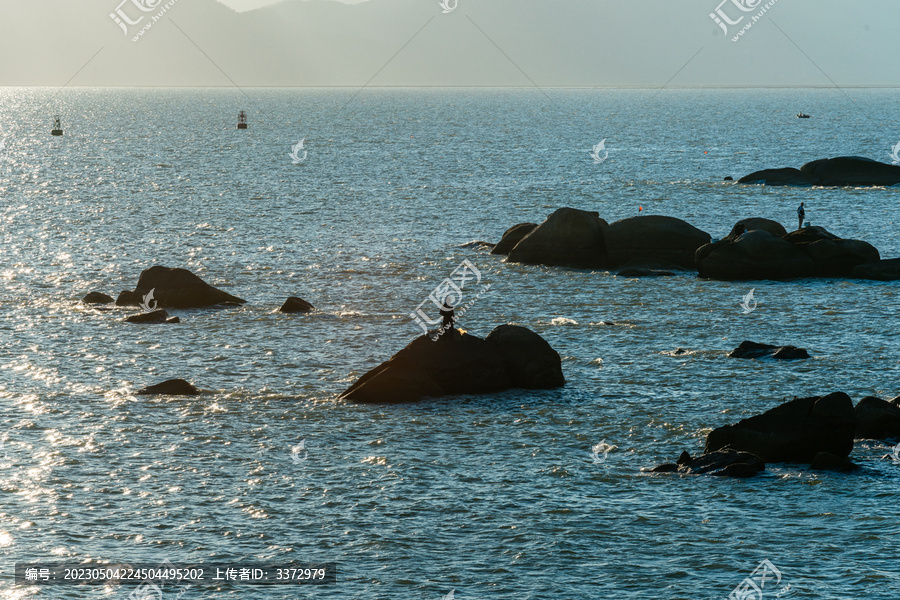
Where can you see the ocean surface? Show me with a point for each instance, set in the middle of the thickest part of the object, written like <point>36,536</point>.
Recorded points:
<point>492,496</point>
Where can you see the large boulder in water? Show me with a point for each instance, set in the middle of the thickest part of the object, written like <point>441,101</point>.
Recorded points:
<point>653,237</point>
<point>569,237</point>
<point>753,223</point>
<point>832,256</point>
<point>880,270</point>
<point>175,288</point>
<point>749,349</point>
<point>170,387</point>
<point>877,419</point>
<point>755,254</point>
<point>459,363</point>
<point>97,298</point>
<point>852,171</point>
<point>786,176</point>
<point>513,236</point>
<point>793,432</point>
<point>530,361</point>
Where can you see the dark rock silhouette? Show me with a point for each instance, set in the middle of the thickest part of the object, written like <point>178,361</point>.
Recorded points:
<point>755,254</point>
<point>175,288</point>
<point>513,236</point>
<point>786,176</point>
<point>880,270</point>
<point>294,305</point>
<point>569,237</point>
<point>832,256</point>
<point>649,268</point>
<point>793,432</point>
<point>155,316</point>
<point>753,223</point>
<point>459,363</point>
<point>852,170</point>
<point>840,171</point>
<point>97,298</point>
<point>653,238</point>
<point>170,387</point>
<point>725,462</point>
<point>825,461</point>
<point>877,419</point>
<point>756,350</point>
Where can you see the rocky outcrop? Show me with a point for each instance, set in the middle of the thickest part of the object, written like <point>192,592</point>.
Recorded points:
<point>852,170</point>
<point>725,462</point>
<point>877,419</point>
<point>97,298</point>
<point>756,350</point>
<point>754,223</point>
<point>569,237</point>
<point>825,461</point>
<point>513,236</point>
<point>170,387</point>
<point>840,171</point>
<point>653,238</point>
<point>154,316</point>
<point>880,270</point>
<point>793,432</point>
<point>296,305</point>
<point>831,255</point>
<point>755,254</point>
<point>175,288</point>
<point>786,176</point>
<point>459,363</point>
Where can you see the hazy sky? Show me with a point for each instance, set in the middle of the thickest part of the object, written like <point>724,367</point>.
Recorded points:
<point>478,43</point>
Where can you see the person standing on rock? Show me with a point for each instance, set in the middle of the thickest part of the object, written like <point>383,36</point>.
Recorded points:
<point>801,214</point>
<point>448,316</point>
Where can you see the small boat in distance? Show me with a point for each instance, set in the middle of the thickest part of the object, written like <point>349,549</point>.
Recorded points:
<point>242,120</point>
<point>800,115</point>
<point>57,128</point>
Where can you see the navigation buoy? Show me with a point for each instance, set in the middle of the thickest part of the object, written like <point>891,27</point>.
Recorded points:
<point>242,120</point>
<point>57,128</point>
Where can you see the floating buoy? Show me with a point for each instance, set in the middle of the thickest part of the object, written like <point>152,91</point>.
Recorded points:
<point>242,120</point>
<point>57,128</point>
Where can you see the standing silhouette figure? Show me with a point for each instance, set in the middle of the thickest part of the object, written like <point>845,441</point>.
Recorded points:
<point>801,214</point>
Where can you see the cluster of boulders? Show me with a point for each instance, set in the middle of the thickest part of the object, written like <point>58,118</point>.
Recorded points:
<point>458,363</point>
<point>840,171</point>
<point>642,246</point>
<point>580,238</point>
<point>818,430</point>
<point>160,287</point>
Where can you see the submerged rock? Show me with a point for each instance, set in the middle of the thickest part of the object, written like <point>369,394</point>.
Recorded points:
<point>786,176</point>
<point>154,316</point>
<point>175,288</point>
<point>794,431</point>
<point>825,461</point>
<point>97,298</point>
<point>756,350</point>
<point>725,462</point>
<point>294,305</point>
<point>568,237</point>
<point>459,363</point>
<point>513,236</point>
<point>170,387</point>
<point>649,268</point>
